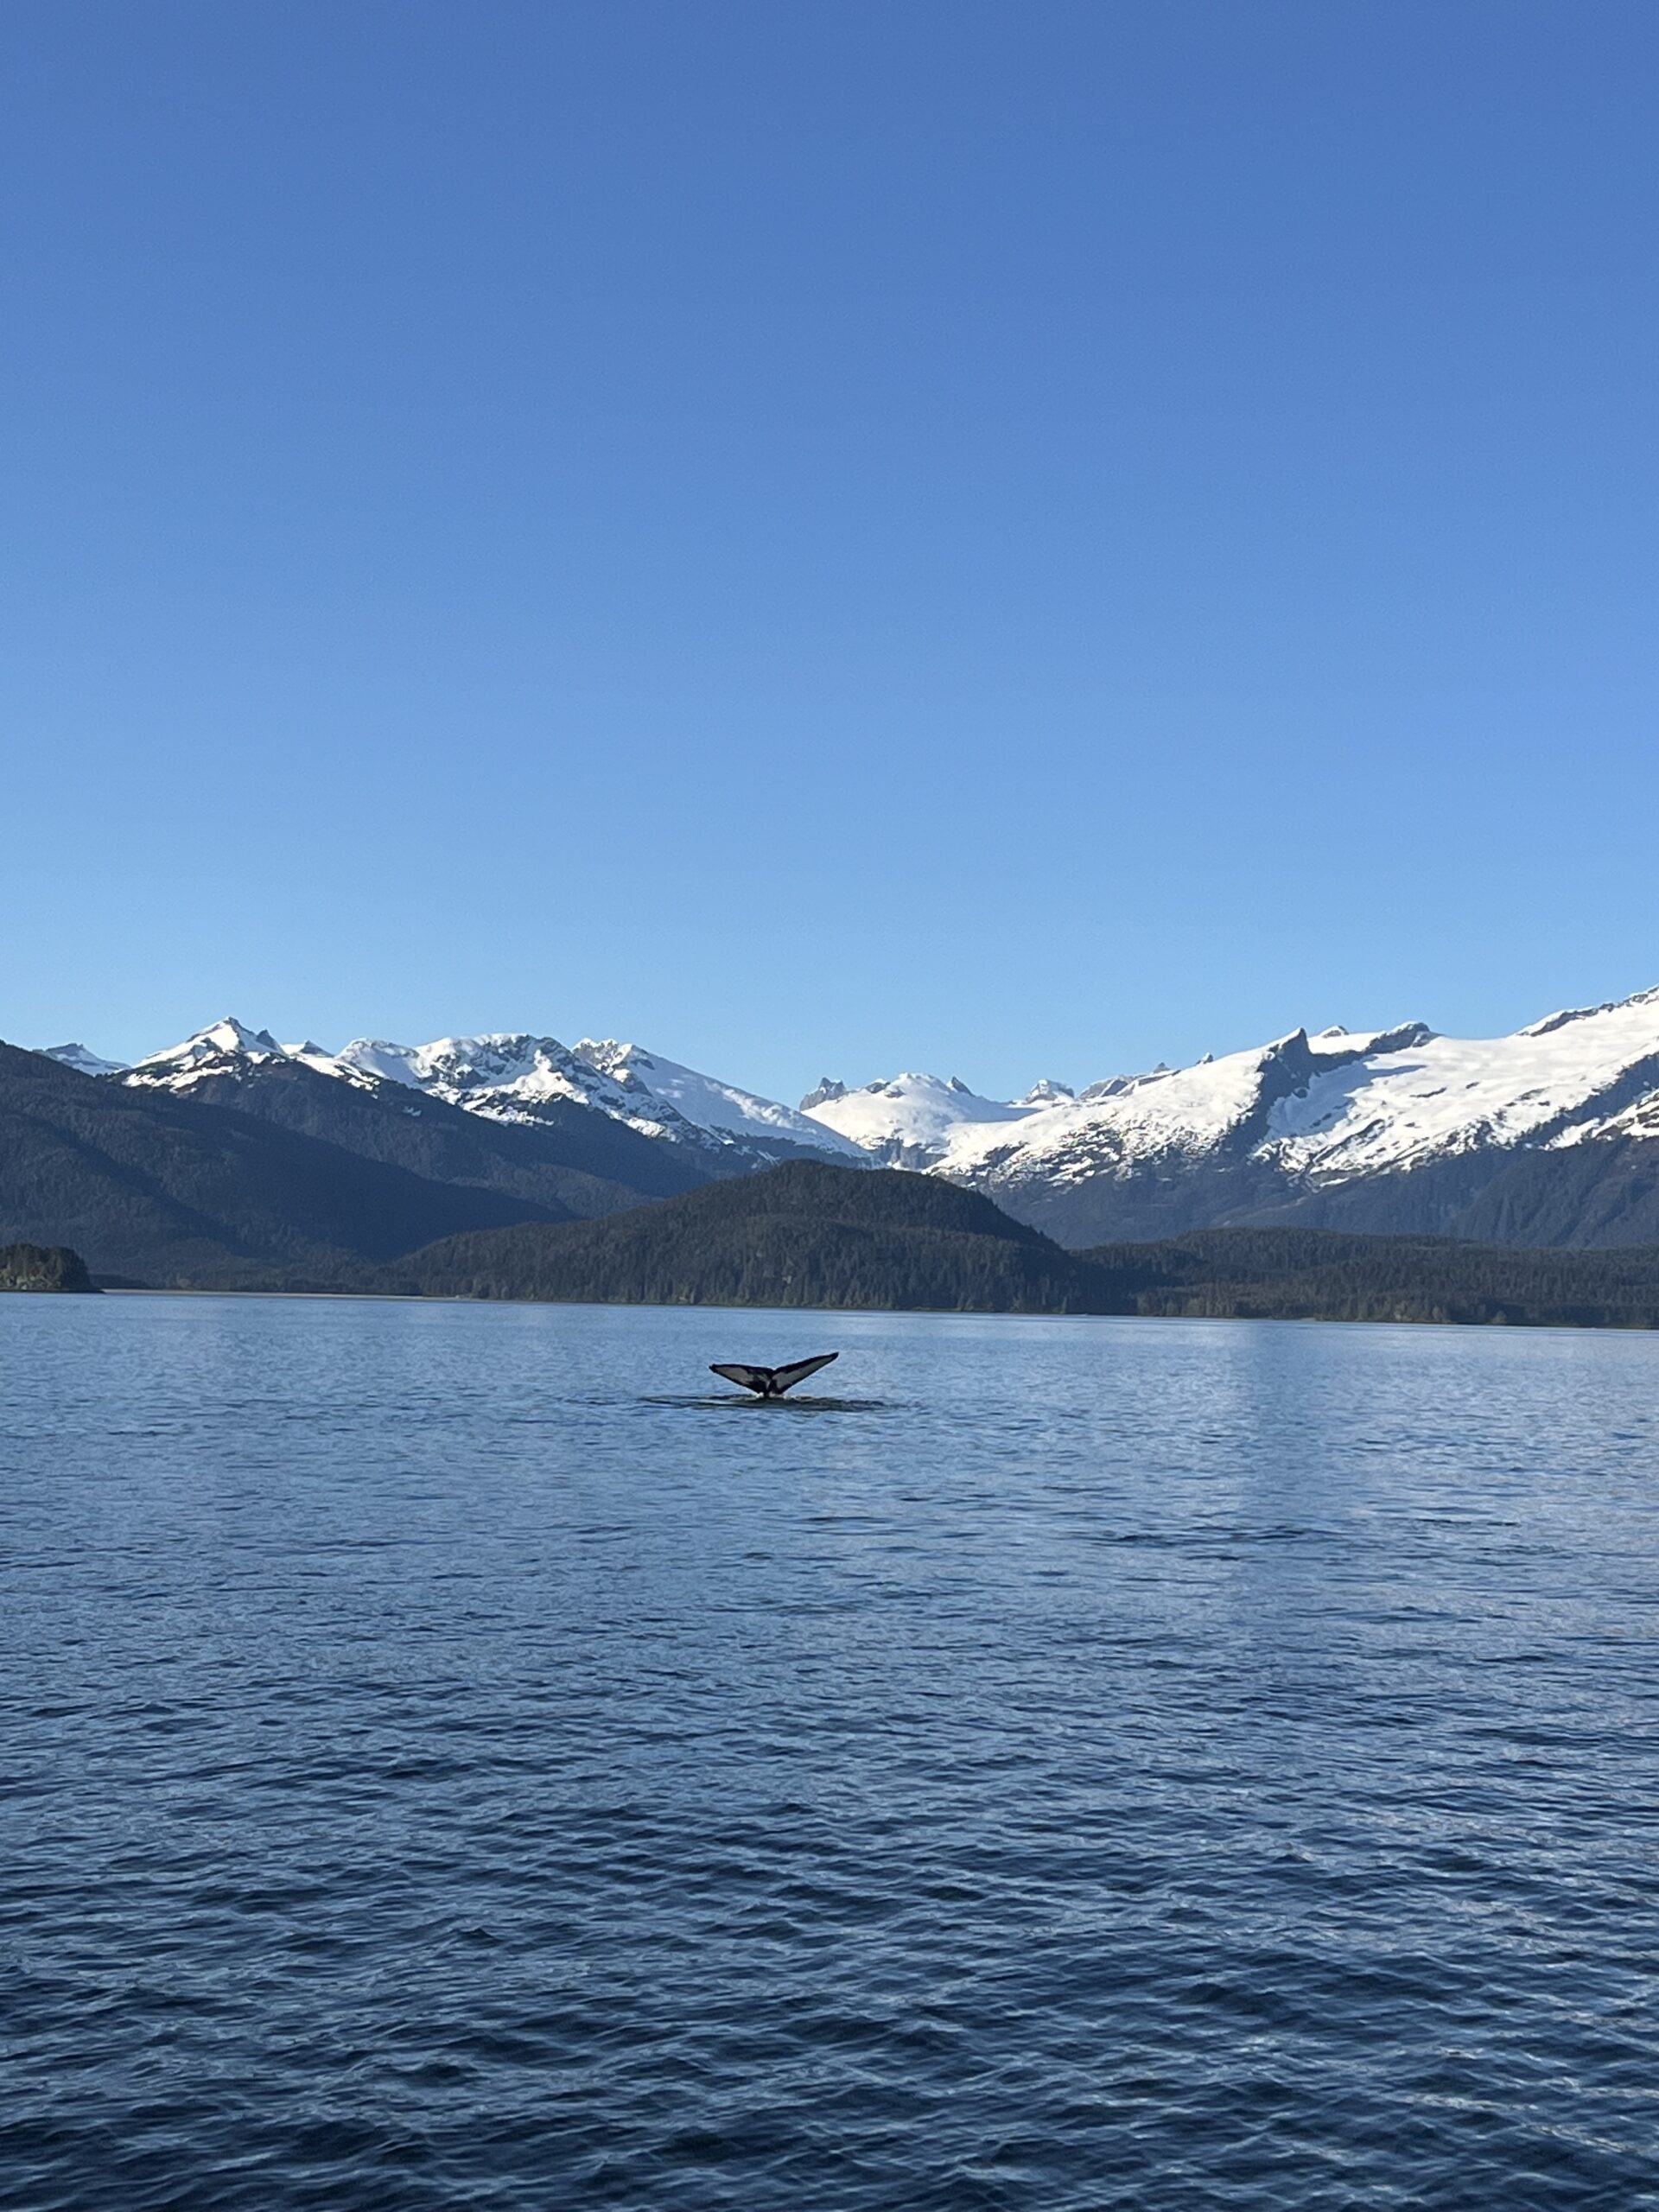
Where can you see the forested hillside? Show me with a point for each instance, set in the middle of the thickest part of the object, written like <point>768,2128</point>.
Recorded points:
<point>800,1235</point>
<point>569,1162</point>
<point>805,1235</point>
<point>1317,1274</point>
<point>167,1192</point>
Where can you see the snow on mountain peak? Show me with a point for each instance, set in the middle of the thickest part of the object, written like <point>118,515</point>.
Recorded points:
<point>495,1059</point>
<point>233,1036</point>
<point>379,1057</point>
<point>1413,1095</point>
<point>1551,1022</point>
<point>1181,1110</point>
<point>228,1048</point>
<point>1303,1113</point>
<point>508,1075</point>
<point>1328,1108</point>
<point>908,1119</point>
<point>517,1076</point>
<point>221,1040</point>
<point>721,1110</point>
<point>82,1061</point>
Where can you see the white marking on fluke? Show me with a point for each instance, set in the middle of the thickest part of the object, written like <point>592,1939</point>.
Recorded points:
<point>772,1382</point>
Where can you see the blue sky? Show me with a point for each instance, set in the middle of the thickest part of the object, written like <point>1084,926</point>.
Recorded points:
<point>1005,539</point>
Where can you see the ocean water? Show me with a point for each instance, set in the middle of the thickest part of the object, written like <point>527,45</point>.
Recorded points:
<point>449,1759</point>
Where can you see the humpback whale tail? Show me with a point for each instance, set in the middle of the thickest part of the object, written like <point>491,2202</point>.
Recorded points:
<point>772,1382</point>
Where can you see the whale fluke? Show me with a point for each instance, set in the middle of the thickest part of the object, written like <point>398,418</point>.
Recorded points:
<point>772,1382</point>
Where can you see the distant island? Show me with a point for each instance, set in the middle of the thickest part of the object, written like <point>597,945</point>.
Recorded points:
<point>43,1267</point>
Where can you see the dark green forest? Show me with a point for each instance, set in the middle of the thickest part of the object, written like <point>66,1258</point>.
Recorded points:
<point>290,1181</point>
<point>1322,1276</point>
<point>806,1234</point>
<point>42,1267</point>
<point>799,1235</point>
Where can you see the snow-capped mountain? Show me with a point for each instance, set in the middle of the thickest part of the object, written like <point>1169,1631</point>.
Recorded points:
<point>1389,1130</point>
<point>223,1048</point>
<point>720,1109</point>
<point>517,1076</point>
<point>82,1061</point>
<point>909,1121</point>
<point>1547,1136</point>
<point>513,1076</point>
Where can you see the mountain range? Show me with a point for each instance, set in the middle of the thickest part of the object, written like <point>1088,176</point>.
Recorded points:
<point>1547,1137</point>
<point>520,1079</point>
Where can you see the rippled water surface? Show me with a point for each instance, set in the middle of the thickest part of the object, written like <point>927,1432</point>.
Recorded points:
<point>448,1761</point>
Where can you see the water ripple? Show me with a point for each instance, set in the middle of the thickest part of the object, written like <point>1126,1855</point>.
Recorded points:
<point>1192,1765</point>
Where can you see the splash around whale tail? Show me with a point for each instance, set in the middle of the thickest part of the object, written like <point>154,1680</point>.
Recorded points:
<point>772,1382</point>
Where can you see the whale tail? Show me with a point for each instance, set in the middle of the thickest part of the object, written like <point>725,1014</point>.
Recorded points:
<point>772,1382</point>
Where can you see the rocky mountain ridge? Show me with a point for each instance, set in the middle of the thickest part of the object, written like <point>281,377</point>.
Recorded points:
<point>511,1077</point>
<point>1545,1136</point>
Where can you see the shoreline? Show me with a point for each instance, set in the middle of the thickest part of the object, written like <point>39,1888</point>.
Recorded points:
<point>933,1312</point>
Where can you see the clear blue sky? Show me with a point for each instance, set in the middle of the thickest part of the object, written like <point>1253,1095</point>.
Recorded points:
<point>1010,539</point>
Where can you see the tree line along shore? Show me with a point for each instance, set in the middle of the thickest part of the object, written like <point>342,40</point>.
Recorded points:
<point>809,1234</point>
